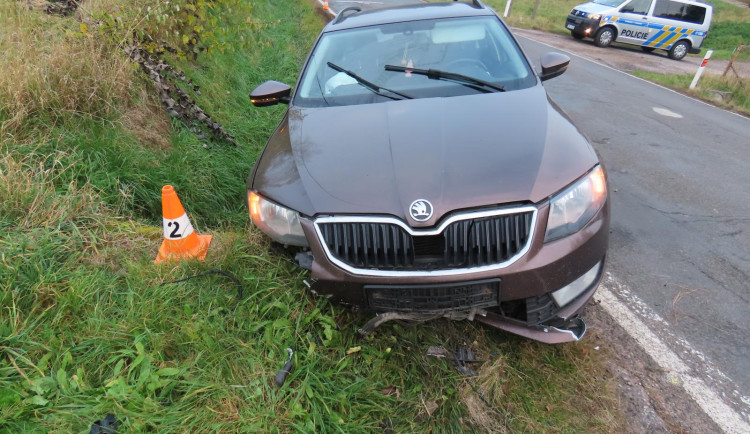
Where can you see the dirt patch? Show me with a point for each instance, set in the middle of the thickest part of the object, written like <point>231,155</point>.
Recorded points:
<point>630,58</point>
<point>652,400</point>
<point>148,122</point>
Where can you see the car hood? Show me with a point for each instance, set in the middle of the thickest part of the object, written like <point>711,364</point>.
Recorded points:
<point>458,153</point>
<point>593,8</point>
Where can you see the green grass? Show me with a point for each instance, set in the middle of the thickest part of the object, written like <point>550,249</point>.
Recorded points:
<point>88,328</point>
<point>728,92</point>
<point>730,25</point>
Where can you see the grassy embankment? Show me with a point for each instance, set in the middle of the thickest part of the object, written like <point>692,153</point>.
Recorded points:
<point>86,328</point>
<point>730,27</point>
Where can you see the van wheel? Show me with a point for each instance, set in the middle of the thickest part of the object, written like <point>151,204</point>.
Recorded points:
<point>604,37</point>
<point>648,49</point>
<point>679,50</point>
<point>577,35</point>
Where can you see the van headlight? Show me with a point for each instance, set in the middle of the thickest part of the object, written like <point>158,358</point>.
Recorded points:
<point>573,207</point>
<point>280,223</point>
<point>594,16</point>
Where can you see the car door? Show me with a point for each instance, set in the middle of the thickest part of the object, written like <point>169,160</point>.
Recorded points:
<point>674,21</point>
<point>634,22</point>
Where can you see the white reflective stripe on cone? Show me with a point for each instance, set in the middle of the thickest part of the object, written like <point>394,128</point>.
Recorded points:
<point>177,229</point>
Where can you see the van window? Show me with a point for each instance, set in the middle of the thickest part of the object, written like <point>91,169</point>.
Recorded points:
<point>640,7</point>
<point>680,11</point>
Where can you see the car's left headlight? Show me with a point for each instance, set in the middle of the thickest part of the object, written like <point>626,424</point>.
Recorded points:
<point>573,207</point>
<point>594,16</point>
<point>280,223</point>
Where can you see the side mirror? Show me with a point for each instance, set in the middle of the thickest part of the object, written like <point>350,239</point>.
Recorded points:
<point>553,64</point>
<point>270,93</point>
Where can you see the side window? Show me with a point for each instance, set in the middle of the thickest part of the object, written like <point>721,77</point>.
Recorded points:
<point>680,11</point>
<point>668,9</point>
<point>695,14</point>
<point>640,7</point>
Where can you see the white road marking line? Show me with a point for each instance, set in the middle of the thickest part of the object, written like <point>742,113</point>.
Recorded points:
<point>666,112</point>
<point>629,75</point>
<point>662,328</point>
<point>710,401</point>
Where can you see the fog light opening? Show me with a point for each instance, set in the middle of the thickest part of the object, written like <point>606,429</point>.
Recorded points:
<point>570,292</point>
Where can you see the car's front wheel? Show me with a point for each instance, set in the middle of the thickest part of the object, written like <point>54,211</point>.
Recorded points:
<point>679,50</point>
<point>604,37</point>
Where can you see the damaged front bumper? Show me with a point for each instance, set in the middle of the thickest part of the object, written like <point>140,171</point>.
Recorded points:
<point>539,296</point>
<point>564,331</point>
<point>565,324</point>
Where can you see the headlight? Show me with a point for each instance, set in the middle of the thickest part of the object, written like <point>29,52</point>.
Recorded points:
<point>572,208</point>
<point>279,223</point>
<point>595,16</point>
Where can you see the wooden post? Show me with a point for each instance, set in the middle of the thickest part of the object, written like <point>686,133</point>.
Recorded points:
<point>731,62</point>
<point>536,8</point>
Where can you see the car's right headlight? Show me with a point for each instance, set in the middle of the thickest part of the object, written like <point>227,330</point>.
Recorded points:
<point>573,207</point>
<point>280,223</point>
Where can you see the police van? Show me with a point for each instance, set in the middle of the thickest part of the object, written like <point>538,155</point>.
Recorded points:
<point>677,26</point>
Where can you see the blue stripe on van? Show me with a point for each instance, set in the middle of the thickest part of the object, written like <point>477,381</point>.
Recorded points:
<point>653,38</point>
<point>633,23</point>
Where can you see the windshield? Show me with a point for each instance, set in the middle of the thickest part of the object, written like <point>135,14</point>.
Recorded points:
<point>611,3</point>
<point>476,47</point>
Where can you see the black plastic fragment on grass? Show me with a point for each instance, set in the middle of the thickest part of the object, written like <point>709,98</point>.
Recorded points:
<point>108,425</point>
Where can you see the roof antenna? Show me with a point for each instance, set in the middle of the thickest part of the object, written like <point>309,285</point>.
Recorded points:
<point>354,9</point>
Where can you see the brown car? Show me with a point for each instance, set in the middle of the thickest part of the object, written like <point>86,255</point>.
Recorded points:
<point>424,172</point>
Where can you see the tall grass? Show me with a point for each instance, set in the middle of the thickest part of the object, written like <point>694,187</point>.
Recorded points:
<point>48,76</point>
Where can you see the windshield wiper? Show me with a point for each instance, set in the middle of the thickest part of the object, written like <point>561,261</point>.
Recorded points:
<point>437,74</point>
<point>369,85</point>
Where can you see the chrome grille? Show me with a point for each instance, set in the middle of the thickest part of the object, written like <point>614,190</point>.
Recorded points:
<point>471,240</point>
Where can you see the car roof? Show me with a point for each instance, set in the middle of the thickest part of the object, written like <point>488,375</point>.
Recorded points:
<point>425,11</point>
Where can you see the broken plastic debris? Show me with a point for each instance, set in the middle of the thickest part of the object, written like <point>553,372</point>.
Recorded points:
<point>108,425</point>
<point>284,372</point>
<point>463,355</point>
<point>438,352</point>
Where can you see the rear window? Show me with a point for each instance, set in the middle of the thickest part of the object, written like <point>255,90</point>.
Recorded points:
<point>680,11</point>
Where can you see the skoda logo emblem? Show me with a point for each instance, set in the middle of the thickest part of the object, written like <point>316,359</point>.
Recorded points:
<point>420,210</point>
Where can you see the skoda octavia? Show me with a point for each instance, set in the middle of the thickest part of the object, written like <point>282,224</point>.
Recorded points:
<point>423,172</point>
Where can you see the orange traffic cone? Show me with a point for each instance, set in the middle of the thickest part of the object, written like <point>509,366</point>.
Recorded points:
<point>180,239</point>
<point>325,5</point>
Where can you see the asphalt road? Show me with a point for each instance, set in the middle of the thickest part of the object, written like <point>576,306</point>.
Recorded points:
<point>680,181</point>
<point>679,173</point>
